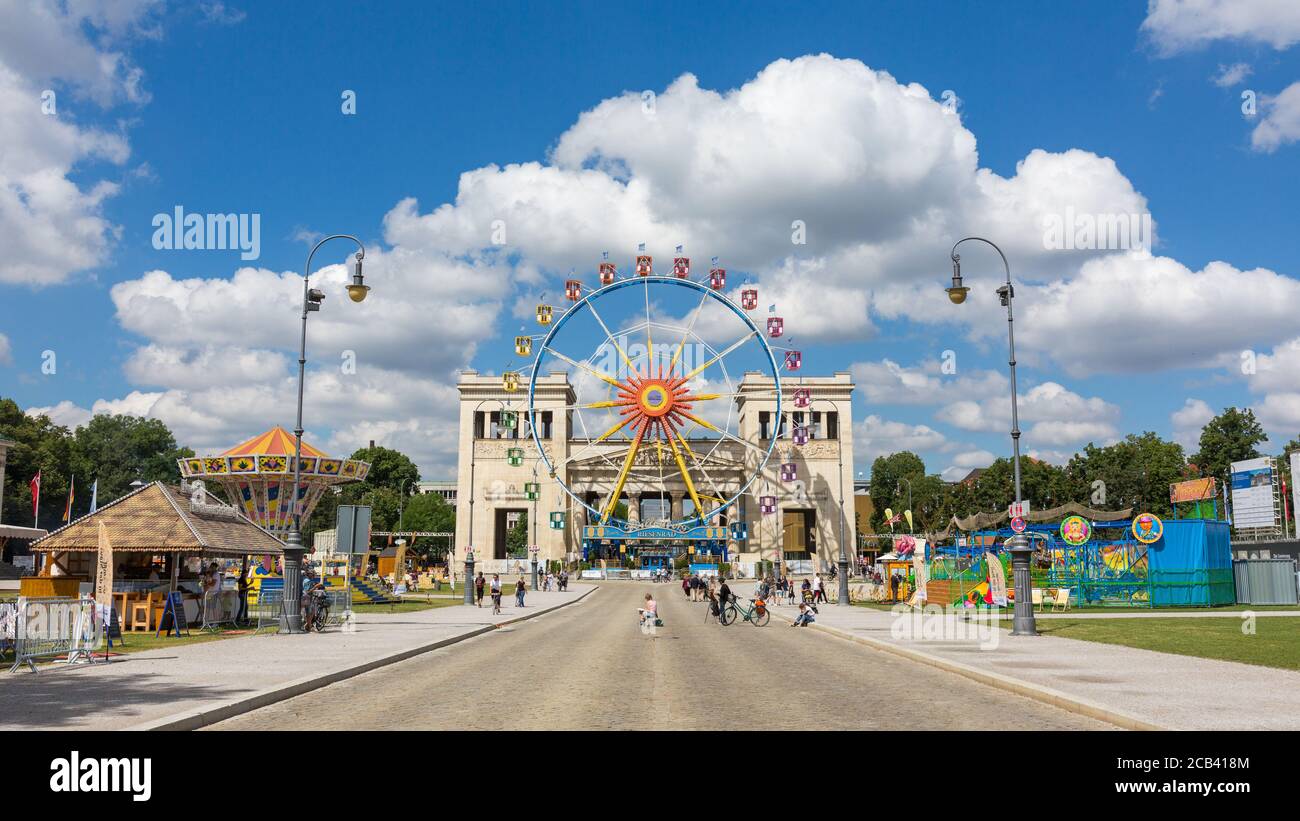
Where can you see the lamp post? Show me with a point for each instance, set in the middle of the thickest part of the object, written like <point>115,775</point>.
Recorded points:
<point>401,502</point>
<point>293,551</point>
<point>1023,621</point>
<point>909,500</point>
<point>844,556</point>
<point>534,547</point>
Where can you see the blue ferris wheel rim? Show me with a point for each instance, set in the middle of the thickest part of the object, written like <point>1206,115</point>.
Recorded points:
<point>629,282</point>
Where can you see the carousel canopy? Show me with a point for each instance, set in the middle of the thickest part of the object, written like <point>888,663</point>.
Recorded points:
<point>257,475</point>
<point>275,442</point>
<point>160,518</point>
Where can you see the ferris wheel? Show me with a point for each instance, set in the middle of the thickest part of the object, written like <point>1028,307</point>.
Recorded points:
<point>656,394</point>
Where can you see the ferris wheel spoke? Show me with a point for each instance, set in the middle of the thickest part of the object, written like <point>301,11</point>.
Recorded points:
<point>622,474</point>
<point>649,340</point>
<point>583,365</point>
<point>686,333</point>
<point>730,349</point>
<point>703,471</point>
<point>686,474</point>
<point>591,305</point>
<point>725,433</point>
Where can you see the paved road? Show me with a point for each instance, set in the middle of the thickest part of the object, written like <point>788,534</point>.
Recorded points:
<point>587,666</point>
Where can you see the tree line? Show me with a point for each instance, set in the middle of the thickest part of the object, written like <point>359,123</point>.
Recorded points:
<point>117,449</point>
<point>1134,472</point>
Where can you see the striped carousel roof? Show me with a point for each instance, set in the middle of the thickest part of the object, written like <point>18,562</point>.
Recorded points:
<point>275,442</point>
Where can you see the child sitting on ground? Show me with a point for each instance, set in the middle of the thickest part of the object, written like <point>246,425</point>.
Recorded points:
<point>806,615</point>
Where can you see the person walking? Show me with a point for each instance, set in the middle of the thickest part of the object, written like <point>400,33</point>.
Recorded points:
<point>818,593</point>
<point>686,586</point>
<point>478,588</point>
<point>496,594</point>
<point>519,592</point>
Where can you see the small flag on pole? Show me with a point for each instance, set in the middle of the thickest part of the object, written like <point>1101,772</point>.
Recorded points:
<point>604,255</point>
<point>94,496</point>
<point>72,493</point>
<point>715,260</point>
<point>36,498</point>
<point>679,249</point>
<point>771,309</point>
<point>641,247</point>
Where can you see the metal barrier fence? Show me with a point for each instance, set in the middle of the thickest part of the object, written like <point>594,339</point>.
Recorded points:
<point>48,627</point>
<point>214,611</point>
<point>268,609</point>
<point>340,601</point>
<point>1265,581</point>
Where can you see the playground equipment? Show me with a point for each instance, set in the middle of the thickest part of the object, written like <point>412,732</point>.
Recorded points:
<point>1189,564</point>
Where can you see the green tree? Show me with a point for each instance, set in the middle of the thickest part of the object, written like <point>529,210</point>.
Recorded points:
<point>391,474</point>
<point>39,445</point>
<point>1135,472</point>
<point>429,512</point>
<point>517,538</point>
<point>117,450</point>
<point>1229,437</point>
<point>887,488</point>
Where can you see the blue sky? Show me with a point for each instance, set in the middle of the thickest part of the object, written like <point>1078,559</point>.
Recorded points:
<point>235,108</point>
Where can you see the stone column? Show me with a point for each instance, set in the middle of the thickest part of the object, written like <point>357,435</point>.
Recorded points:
<point>634,508</point>
<point>675,506</point>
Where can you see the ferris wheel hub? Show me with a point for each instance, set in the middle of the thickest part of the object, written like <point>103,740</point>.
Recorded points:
<point>655,397</point>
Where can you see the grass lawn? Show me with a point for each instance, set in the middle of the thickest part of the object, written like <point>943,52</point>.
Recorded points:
<point>407,606</point>
<point>1276,642</point>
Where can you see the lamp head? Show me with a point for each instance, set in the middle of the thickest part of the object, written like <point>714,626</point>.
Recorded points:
<point>957,293</point>
<point>358,289</point>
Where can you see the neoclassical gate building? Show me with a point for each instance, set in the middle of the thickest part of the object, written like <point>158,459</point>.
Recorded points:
<point>500,476</point>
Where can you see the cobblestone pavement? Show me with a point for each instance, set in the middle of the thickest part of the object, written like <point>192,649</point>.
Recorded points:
<point>588,666</point>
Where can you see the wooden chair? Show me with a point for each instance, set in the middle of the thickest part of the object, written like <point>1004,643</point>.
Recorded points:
<point>1062,600</point>
<point>1037,595</point>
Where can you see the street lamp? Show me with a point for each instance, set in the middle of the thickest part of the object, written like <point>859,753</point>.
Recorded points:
<point>1023,622</point>
<point>909,500</point>
<point>293,551</point>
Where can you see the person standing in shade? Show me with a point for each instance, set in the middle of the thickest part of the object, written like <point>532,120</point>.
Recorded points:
<point>478,588</point>
<point>894,579</point>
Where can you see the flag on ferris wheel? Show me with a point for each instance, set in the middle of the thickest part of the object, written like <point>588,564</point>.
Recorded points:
<point>604,255</point>
<point>679,249</point>
<point>771,309</point>
<point>715,260</point>
<point>640,246</point>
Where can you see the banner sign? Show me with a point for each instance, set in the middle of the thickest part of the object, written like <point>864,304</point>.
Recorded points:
<point>1253,502</point>
<point>104,569</point>
<point>1193,490</point>
<point>997,579</point>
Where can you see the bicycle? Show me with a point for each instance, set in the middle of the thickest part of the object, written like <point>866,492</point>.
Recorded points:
<point>756,613</point>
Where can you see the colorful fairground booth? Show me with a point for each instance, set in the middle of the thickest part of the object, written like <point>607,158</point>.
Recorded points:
<point>157,548</point>
<point>1085,557</point>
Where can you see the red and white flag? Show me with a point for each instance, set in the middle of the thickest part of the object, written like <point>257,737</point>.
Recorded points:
<point>36,496</point>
